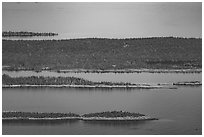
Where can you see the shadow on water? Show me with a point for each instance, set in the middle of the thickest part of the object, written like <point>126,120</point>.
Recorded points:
<point>74,121</point>
<point>116,123</point>
<point>38,122</point>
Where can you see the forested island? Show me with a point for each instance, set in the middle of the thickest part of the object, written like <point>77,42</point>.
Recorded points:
<point>57,82</point>
<point>188,83</point>
<point>108,115</point>
<point>26,34</point>
<point>36,115</point>
<point>103,54</point>
<point>113,114</point>
<point>34,81</point>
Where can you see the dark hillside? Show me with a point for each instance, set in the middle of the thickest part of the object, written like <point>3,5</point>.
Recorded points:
<point>95,53</point>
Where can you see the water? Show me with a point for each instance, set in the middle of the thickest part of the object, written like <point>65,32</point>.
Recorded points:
<point>179,110</point>
<point>138,78</point>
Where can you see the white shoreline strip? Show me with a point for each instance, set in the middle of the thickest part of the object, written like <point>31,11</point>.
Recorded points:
<point>82,118</point>
<point>118,118</point>
<point>91,86</point>
<point>31,118</point>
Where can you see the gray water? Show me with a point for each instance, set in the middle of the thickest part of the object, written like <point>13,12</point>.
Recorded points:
<point>179,110</point>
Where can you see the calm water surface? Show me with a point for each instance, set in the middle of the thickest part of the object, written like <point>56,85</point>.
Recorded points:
<point>179,110</point>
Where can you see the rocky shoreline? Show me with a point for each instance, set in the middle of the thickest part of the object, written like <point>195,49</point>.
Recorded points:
<point>105,116</point>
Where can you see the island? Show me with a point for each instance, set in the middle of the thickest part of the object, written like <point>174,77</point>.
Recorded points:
<point>109,115</point>
<point>15,115</point>
<point>68,82</point>
<point>26,34</point>
<point>116,115</point>
<point>188,83</point>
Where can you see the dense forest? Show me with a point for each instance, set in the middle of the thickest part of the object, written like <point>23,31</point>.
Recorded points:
<point>102,53</point>
<point>37,115</point>
<point>33,80</point>
<point>110,114</point>
<point>107,114</point>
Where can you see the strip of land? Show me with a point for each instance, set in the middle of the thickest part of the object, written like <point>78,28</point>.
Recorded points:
<point>109,115</point>
<point>9,68</point>
<point>188,83</point>
<point>129,71</point>
<point>26,34</point>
